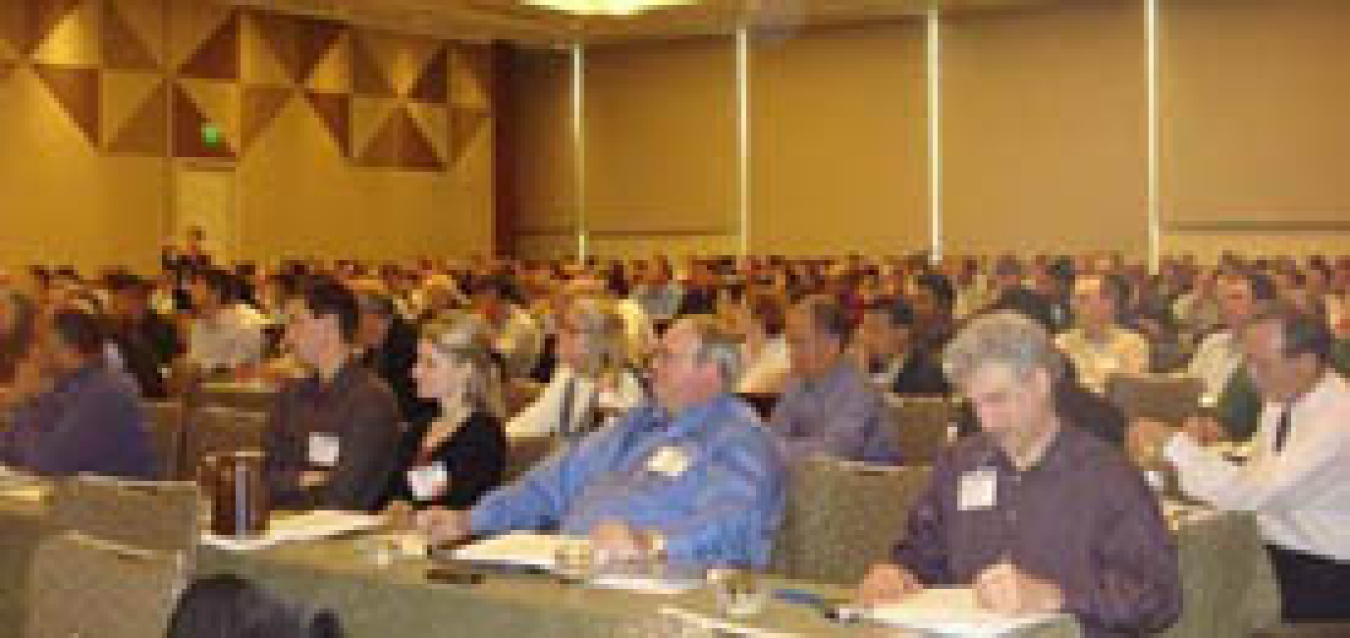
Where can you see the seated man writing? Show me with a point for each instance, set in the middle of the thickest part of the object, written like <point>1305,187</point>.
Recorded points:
<point>694,478</point>
<point>1035,513</point>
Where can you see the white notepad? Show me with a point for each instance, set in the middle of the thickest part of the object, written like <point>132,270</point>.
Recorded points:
<point>309,526</point>
<point>952,610</point>
<point>519,548</point>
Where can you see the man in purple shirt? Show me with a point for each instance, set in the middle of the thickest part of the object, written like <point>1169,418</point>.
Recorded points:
<point>71,413</point>
<point>1034,513</point>
<point>829,408</point>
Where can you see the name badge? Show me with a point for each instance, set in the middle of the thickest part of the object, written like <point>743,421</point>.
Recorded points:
<point>669,461</point>
<point>428,481</point>
<point>978,490</point>
<point>324,449</point>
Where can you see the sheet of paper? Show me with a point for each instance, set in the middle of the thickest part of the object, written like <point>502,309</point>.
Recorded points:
<point>533,550</point>
<point>309,526</point>
<point>951,610</point>
<point>710,624</point>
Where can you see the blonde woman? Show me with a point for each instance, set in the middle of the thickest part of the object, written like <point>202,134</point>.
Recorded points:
<point>592,379</point>
<point>451,460</point>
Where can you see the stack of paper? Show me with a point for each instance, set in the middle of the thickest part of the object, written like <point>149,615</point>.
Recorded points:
<point>531,550</point>
<point>951,610</point>
<point>310,526</point>
<point>540,551</point>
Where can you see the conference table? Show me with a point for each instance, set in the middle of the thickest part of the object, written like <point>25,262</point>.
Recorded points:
<point>1228,591</point>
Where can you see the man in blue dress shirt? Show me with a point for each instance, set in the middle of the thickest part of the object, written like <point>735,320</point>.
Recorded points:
<point>694,478</point>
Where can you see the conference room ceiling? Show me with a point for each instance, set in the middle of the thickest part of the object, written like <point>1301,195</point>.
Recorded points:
<point>513,20</point>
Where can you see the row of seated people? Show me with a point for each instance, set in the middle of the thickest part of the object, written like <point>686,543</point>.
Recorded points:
<point>609,484</point>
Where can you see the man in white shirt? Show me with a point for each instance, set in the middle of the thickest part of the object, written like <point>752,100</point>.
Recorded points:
<point>226,336</point>
<point>1098,346</point>
<point>592,376</point>
<point>1297,479</point>
<point>1218,356</point>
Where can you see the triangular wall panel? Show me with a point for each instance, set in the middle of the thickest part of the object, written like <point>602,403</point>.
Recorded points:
<point>218,57</point>
<point>76,91</point>
<point>123,48</point>
<point>146,131</point>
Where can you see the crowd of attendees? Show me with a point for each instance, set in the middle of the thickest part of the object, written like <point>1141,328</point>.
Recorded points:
<point>396,383</point>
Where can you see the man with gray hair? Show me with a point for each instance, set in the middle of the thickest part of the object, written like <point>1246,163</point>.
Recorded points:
<point>1034,513</point>
<point>693,477</point>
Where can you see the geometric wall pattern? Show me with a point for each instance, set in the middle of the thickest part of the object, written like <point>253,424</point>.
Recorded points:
<point>147,77</point>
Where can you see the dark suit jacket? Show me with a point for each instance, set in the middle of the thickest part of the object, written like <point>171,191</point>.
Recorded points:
<point>1029,303</point>
<point>357,408</point>
<point>920,376</point>
<point>474,456</point>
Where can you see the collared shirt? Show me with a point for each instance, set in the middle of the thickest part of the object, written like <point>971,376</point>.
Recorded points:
<point>1082,518</point>
<point>1120,351</point>
<point>660,303</point>
<point>231,339</point>
<point>357,409</point>
<point>1301,495</point>
<point>89,422</point>
<point>545,415</point>
<point>710,480</point>
<point>1215,361</point>
<point>839,415</point>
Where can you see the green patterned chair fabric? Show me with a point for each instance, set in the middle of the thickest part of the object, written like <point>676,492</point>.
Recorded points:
<point>843,517</point>
<point>1244,597</point>
<point>921,426</point>
<point>215,430</point>
<point>143,514</point>
<point>1166,397</point>
<point>166,433</point>
<point>81,586</point>
<point>237,396</point>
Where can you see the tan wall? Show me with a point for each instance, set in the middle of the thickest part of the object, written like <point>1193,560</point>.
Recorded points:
<point>839,141</point>
<point>1044,130</point>
<point>1044,133</point>
<point>88,160</point>
<point>661,151</point>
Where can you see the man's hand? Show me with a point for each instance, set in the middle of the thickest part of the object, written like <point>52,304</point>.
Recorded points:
<point>887,583</point>
<point>1205,430</point>
<point>1005,589</point>
<point>618,541</point>
<point>442,525</point>
<point>313,478</point>
<point>1146,440</point>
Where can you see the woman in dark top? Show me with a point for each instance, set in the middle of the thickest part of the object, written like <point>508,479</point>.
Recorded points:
<point>451,460</point>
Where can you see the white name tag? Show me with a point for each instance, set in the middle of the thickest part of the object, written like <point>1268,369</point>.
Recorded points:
<point>428,482</point>
<point>324,449</point>
<point>670,461</point>
<point>978,490</point>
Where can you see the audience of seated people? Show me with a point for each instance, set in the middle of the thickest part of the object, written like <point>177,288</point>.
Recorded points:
<point>823,340</point>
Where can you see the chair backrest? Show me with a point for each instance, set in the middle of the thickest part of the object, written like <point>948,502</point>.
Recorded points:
<point>166,433</point>
<point>525,452</point>
<point>843,517</point>
<point>237,396</point>
<point>1167,397</point>
<point>82,586</point>
<point>922,426</point>
<point>517,394</point>
<point>215,430</point>
<point>142,514</point>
